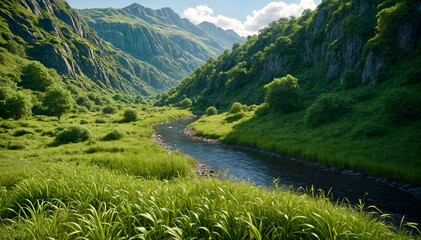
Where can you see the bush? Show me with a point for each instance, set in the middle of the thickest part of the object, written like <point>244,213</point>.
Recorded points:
<point>236,108</point>
<point>57,101</point>
<point>327,108</point>
<point>401,104</point>
<point>37,77</point>
<point>368,129</point>
<point>130,115</point>
<point>22,132</point>
<point>350,80</point>
<point>100,120</point>
<point>16,146</point>
<point>114,135</point>
<point>186,103</point>
<point>282,94</point>
<point>18,106</point>
<point>84,101</point>
<point>211,111</point>
<point>262,110</point>
<point>235,116</point>
<point>83,121</point>
<point>73,134</point>
<point>109,109</point>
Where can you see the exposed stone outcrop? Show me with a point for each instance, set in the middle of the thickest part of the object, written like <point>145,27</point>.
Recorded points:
<point>61,40</point>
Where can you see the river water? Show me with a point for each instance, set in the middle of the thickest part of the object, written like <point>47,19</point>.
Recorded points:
<point>262,168</point>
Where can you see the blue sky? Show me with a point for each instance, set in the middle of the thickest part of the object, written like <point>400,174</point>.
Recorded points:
<point>244,16</point>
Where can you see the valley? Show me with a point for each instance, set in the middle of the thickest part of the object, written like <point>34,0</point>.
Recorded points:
<point>312,124</point>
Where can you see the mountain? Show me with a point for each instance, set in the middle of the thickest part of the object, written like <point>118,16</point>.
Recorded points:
<point>51,32</point>
<point>160,37</point>
<point>340,44</point>
<point>225,37</point>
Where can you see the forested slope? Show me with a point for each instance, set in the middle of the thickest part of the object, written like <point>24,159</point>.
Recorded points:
<point>53,33</point>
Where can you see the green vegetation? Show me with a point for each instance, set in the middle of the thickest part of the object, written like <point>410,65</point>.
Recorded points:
<point>211,111</point>
<point>282,94</point>
<point>57,101</point>
<point>186,103</point>
<point>236,108</point>
<point>115,134</point>
<point>326,108</point>
<point>73,134</point>
<point>133,188</point>
<point>109,109</point>
<point>130,115</point>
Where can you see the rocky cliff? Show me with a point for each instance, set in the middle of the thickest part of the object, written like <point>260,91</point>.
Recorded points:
<point>357,40</point>
<point>160,37</point>
<point>51,32</point>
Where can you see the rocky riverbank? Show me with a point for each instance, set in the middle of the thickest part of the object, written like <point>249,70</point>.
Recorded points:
<point>201,169</point>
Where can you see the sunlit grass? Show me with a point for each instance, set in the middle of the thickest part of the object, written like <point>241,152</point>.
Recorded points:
<point>132,188</point>
<point>395,154</point>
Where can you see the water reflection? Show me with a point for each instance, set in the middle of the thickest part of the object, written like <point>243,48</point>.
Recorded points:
<point>262,168</point>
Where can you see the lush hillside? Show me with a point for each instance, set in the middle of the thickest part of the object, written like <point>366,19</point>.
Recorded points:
<point>352,99</point>
<point>173,45</point>
<point>53,33</point>
<point>341,43</point>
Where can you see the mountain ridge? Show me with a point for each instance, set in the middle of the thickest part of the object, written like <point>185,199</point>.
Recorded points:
<point>53,33</point>
<point>161,37</point>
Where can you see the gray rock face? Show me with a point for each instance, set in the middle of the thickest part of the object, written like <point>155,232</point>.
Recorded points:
<point>160,37</point>
<point>372,63</point>
<point>73,49</point>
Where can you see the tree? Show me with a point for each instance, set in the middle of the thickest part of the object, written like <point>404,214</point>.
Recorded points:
<point>211,111</point>
<point>130,115</point>
<point>282,94</point>
<point>57,101</point>
<point>186,103</point>
<point>37,77</point>
<point>19,105</point>
<point>236,108</point>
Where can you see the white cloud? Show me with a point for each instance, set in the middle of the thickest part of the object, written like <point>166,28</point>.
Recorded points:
<point>257,20</point>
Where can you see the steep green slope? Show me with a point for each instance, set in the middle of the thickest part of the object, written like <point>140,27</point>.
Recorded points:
<point>356,104</point>
<point>160,37</point>
<point>322,48</point>
<point>52,33</point>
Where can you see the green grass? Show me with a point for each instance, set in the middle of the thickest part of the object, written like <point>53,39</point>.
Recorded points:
<point>132,188</point>
<point>348,143</point>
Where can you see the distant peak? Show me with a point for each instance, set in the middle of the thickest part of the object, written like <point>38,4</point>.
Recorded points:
<point>135,5</point>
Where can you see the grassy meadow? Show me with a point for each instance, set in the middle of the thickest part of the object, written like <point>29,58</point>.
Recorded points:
<point>132,188</point>
<point>392,151</point>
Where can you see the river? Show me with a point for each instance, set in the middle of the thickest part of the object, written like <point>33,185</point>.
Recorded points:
<point>262,168</point>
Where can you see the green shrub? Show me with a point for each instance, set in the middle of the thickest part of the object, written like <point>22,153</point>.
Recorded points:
<point>262,110</point>
<point>18,106</point>
<point>83,121</point>
<point>57,101</point>
<point>211,111</point>
<point>22,132</point>
<point>73,134</point>
<point>109,109</point>
<point>115,134</point>
<point>84,101</point>
<point>9,125</point>
<point>282,94</point>
<point>235,116</point>
<point>401,104</point>
<point>130,115</point>
<point>350,80</point>
<point>16,146</point>
<point>186,103</point>
<point>37,77</point>
<point>236,108</point>
<point>368,129</point>
<point>100,120</point>
<point>327,108</point>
